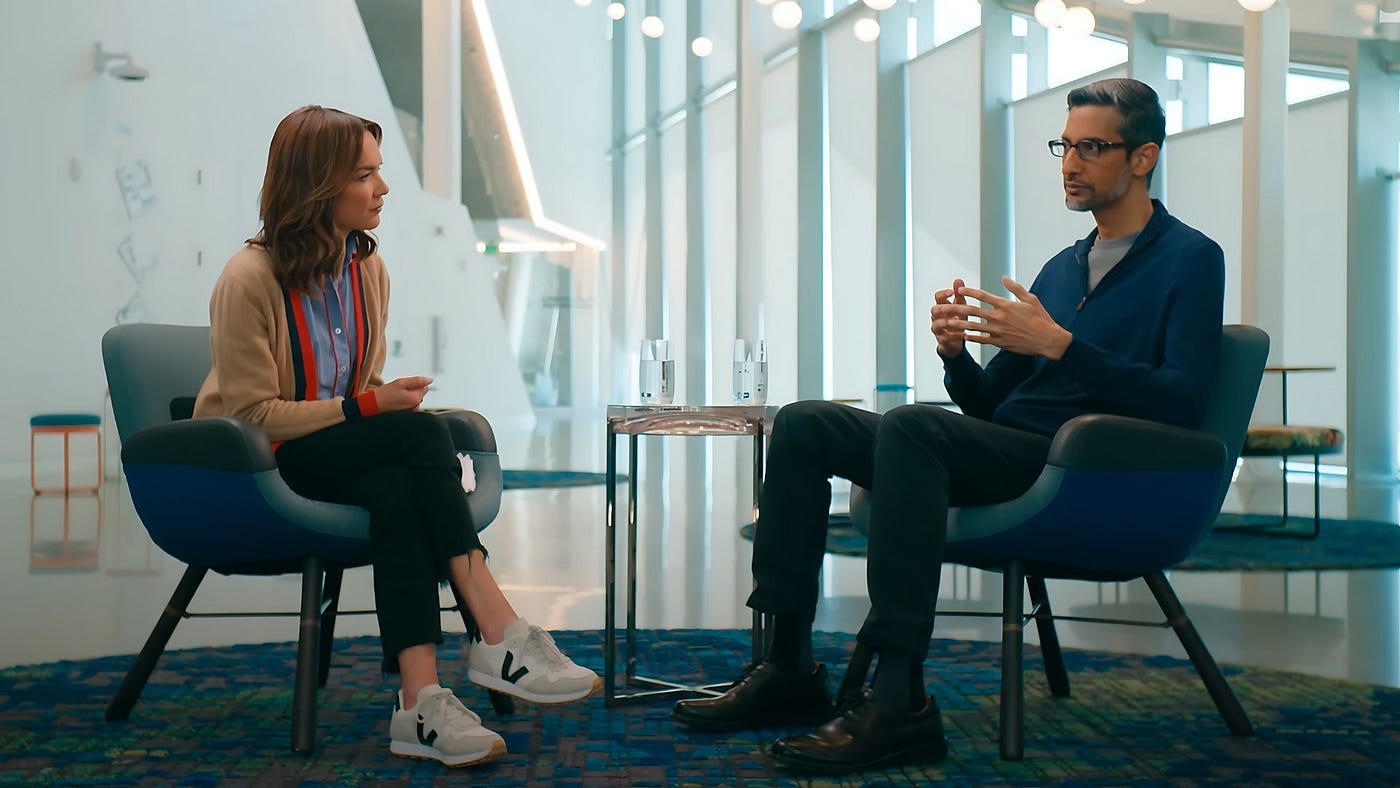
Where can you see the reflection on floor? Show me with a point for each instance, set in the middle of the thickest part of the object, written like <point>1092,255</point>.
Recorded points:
<point>83,580</point>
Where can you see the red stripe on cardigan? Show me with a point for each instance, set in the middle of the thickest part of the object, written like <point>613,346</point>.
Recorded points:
<point>308,351</point>
<point>361,335</point>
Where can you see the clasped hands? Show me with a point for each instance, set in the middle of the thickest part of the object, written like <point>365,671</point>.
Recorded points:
<point>1021,325</point>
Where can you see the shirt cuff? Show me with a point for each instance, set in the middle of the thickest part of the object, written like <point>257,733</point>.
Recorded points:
<point>360,406</point>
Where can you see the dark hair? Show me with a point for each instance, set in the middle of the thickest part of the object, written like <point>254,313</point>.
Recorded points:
<point>312,157</point>
<point>1144,120</point>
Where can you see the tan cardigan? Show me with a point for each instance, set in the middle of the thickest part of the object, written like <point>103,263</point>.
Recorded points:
<point>256,369</point>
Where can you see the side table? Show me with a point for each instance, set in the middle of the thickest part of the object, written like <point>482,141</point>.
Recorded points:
<point>676,420</point>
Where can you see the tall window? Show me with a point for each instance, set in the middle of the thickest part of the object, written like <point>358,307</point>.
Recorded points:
<point>1071,57</point>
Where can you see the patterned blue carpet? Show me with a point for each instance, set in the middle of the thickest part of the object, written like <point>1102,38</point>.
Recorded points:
<point>222,714</point>
<point>1342,544</point>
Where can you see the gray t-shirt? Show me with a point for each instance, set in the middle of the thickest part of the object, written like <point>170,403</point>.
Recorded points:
<point>1105,254</point>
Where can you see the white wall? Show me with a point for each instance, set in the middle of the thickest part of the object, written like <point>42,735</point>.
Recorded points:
<point>945,188</point>
<point>1043,225</point>
<point>721,240</point>
<point>851,97</point>
<point>557,58</point>
<point>1205,187</point>
<point>780,230</point>
<point>221,78</point>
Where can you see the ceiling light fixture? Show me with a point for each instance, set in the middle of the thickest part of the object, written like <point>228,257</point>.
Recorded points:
<point>1079,22</point>
<point>616,11</point>
<point>787,14</point>
<point>879,5</point>
<point>1050,13</point>
<point>652,26</point>
<point>702,46</point>
<point>1256,5</point>
<point>867,29</point>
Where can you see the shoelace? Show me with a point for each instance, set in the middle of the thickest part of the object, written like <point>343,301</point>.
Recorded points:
<point>540,644</point>
<point>855,707</point>
<point>450,708</point>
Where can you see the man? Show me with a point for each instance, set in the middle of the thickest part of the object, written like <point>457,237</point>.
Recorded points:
<point>1126,321</point>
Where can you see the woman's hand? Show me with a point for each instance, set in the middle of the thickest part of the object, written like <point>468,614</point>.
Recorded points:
<point>402,393</point>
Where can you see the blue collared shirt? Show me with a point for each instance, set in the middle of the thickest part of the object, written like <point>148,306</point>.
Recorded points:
<point>330,320</point>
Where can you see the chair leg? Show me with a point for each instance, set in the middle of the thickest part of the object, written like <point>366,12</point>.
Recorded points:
<point>1317,496</point>
<point>1012,685</point>
<point>1220,692</point>
<point>1055,672</point>
<point>501,703</point>
<point>854,679</point>
<point>330,605</point>
<point>140,672</point>
<point>308,644</point>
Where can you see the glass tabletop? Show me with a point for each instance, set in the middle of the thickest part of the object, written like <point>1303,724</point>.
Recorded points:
<point>690,419</point>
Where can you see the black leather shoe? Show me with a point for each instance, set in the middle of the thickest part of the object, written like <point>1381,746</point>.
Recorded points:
<point>765,695</point>
<point>865,736</point>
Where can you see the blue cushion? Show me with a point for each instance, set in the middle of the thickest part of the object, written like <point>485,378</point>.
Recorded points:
<point>65,420</point>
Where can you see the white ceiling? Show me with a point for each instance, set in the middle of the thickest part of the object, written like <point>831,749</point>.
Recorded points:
<point>1350,18</point>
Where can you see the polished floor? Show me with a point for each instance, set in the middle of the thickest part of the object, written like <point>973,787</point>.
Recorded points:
<point>80,578</point>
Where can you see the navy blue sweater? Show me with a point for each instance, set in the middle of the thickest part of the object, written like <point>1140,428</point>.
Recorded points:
<point>1146,340</point>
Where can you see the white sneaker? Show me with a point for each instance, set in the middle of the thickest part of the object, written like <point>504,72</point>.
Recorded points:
<point>528,665</point>
<point>442,729</point>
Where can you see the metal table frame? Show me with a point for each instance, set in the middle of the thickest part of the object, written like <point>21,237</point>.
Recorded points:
<point>634,421</point>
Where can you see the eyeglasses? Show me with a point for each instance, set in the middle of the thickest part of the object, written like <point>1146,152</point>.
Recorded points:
<point>1088,150</point>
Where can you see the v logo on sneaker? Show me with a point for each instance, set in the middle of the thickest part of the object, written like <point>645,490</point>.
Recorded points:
<point>505,669</point>
<point>426,741</point>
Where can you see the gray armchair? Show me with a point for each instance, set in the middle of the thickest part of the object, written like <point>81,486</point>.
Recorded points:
<point>209,493</point>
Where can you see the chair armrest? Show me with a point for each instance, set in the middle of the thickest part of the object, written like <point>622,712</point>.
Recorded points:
<point>1103,442</point>
<point>470,430</point>
<point>222,444</point>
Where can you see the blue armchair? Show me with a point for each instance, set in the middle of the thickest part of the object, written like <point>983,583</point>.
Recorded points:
<point>209,493</point>
<point>1119,499</point>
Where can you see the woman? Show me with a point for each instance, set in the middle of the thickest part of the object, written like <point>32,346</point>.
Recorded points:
<point>297,333</point>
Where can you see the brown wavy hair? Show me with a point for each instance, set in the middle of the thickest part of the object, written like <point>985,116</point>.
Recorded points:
<point>312,157</point>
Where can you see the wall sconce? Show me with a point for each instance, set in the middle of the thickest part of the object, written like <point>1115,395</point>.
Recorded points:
<point>118,64</point>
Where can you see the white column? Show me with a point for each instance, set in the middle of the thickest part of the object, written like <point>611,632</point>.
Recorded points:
<point>1265,148</point>
<point>1373,251</point>
<point>655,312</point>
<point>1147,62</point>
<point>1195,94</point>
<point>748,224</point>
<point>698,369</point>
<point>892,271</point>
<point>996,155</point>
<point>522,269</point>
<point>813,269</point>
<point>1036,43</point>
<point>618,354</point>
<point>442,98</point>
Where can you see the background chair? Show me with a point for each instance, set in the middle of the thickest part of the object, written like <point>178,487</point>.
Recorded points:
<point>1283,441</point>
<point>1119,499</point>
<point>65,425</point>
<point>209,493</point>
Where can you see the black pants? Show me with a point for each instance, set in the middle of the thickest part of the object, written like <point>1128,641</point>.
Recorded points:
<point>916,460</point>
<point>403,468</point>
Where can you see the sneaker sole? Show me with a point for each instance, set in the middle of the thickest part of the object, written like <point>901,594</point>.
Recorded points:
<point>501,685</point>
<point>425,753</point>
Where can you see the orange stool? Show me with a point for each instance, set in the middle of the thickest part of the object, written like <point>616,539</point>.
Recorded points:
<point>67,425</point>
